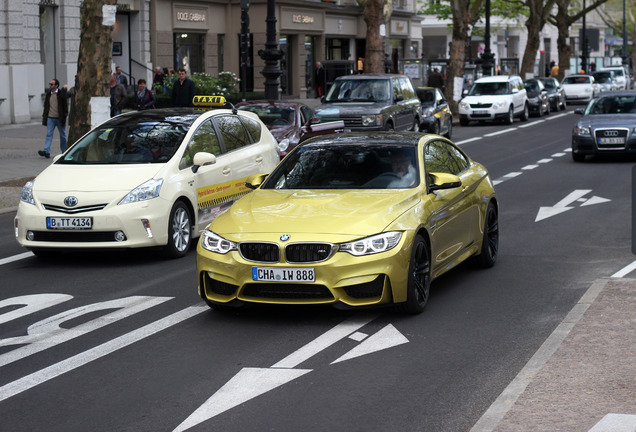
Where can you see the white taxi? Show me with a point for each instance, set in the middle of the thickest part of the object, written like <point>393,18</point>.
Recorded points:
<point>145,179</point>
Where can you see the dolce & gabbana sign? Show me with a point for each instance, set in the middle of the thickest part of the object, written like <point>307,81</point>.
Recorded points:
<point>190,17</point>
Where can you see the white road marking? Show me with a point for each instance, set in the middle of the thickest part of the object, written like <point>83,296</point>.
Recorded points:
<point>531,124</point>
<point>558,155</point>
<point>30,304</point>
<point>530,167</point>
<point>249,383</point>
<point>616,423</point>
<point>49,332</point>
<point>544,161</point>
<point>625,270</point>
<point>18,257</point>
<point>553,117</point>
<point>503,131</point>
<point>53,371</point>
<point>468,140</point>
<point>561,206</point>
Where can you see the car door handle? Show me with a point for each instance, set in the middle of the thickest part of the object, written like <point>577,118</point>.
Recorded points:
<point>259,159</point>
<point>227,170</point>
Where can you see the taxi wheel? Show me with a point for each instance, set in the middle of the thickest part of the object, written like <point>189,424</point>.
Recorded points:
<point>490,240</point>
<point>179,231</point>
<point>419,278</point>
<point>435,127</point>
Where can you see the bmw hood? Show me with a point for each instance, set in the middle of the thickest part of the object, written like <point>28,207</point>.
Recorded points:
<point>350,213</point>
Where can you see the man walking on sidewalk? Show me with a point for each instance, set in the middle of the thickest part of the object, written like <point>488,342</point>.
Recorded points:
<point>54,116</point>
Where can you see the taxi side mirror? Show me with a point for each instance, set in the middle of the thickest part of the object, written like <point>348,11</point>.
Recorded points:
<point>438,181</point>
<point>254,181</point>
<point>201,159</point>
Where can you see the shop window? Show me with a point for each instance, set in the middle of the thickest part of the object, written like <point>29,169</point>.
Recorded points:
<point>337,49</point>
<point>189,52</point>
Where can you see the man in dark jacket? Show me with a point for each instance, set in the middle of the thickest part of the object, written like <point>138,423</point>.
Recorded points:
<point>183,91</point>
<point>435,79</point>
<point>118,96</point>
<point>54,116</point>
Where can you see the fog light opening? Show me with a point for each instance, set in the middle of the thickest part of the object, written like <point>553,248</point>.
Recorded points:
<point>120,236</point>
<point>146,224</point>
<point>15,226</point>
<point>30,235</point>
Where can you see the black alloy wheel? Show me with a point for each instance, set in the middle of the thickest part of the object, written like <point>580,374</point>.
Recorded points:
<point>419,278</point>
<point>490,240</point>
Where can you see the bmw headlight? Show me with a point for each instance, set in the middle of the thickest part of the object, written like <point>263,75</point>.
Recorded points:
<point>27,193</point>
<point>372,245</point>
<point>143,192</point>
<point>372,120</point>
<point>216,243</point>
<point>581,130</point>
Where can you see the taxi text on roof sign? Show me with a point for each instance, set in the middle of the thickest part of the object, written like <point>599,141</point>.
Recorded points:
<point>209,100</point>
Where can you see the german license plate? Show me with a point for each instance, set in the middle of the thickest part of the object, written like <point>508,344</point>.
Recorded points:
<point>611,140</point>
<point>477,112</point>
<point>275,274</point>
<point>69,223</point>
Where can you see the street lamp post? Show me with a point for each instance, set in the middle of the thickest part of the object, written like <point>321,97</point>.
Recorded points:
<point>625,62</point>
<point>271,54</point>
<point>584,44</point>
<point>244,38</point>
<point>487,57</point>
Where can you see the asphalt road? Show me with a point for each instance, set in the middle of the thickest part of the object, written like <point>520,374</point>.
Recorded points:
<point>123,343</point>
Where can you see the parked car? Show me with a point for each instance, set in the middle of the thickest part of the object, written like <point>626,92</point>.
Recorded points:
<point>579,88</point>
<point>606,80</point>
<point>352,220</point>
<point>538,100</point>
<point>145,178</point>
<point>436,115</point>
<point>623,81</point>
<point>371,103</point>
<point>556,95</point>
<point>607,126</point>
<point>500,97</point>
<point>290,122</point>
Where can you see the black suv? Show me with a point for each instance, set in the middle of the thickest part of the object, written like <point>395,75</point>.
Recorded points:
<point>372,103</point>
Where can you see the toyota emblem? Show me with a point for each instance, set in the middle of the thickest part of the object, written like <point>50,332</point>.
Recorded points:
<point>70,201</point>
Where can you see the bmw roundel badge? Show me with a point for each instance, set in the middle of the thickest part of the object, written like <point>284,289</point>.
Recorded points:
<point>284,237</point>
<point>70,201</point>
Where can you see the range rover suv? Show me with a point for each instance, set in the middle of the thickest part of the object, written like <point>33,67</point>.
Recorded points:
<point>501,97</point>
<point>371,103</point>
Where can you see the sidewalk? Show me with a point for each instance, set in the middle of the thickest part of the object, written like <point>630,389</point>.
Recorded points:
<point>585,371</point>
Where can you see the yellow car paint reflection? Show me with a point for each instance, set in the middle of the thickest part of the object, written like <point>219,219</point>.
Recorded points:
<point>335,213</point>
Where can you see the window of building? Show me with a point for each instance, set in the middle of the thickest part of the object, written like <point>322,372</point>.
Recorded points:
<point>189,52</point>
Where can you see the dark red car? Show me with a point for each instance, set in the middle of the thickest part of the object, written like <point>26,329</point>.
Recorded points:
<point>291,121</point>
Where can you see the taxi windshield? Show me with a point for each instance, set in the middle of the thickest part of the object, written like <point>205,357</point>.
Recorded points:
<point>132,140</point>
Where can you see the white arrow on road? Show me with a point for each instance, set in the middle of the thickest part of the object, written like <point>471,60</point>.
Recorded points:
<point>564,205</point>
<point>252,382</point>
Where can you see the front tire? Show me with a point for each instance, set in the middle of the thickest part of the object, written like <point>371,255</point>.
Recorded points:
<point>511,117</point>
<point>449,133</point>
<point>490,239</point>
<point>525,115</point>
<point>179,231</point>
<point>419,278</point>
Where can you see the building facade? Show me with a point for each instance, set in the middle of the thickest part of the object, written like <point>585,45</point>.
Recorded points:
<point>41,38</point>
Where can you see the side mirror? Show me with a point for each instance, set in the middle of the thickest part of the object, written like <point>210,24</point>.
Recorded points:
<point>399,97</point>
<point>254,181</point>
<point>438,181</point>
<point>201,159</point>
<point>465,92</point>
<point>323,99</point>
<point>515,90</point>
<point>312,121</point>
<point>580,111</point>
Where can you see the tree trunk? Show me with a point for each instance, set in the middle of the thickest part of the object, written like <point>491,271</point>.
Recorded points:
<point>93,66</point>
<point>461,17</point>
<point>563,46</point>
<point>534,25</point>
<point>373,14</point>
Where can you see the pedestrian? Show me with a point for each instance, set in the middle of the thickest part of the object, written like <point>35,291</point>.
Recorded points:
<point>144,98</point>
<point>158,78</point>
<point>183,91</point>
<point>320,80</point>
<point>554,71</point>
<point>121,78</point>
<point>435,79</point>
<point>54,116</point>
<point>118,96</point>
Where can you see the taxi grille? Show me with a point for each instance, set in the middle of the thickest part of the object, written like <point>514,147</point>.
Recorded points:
<point>260,252</point>
<point>611,139</point>
<point>308,252</point>
<point>66,210</point>
<point>287,291</point>
<point>74,237</point>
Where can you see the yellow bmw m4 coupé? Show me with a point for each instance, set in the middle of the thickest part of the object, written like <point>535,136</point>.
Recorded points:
<point>352,220</point>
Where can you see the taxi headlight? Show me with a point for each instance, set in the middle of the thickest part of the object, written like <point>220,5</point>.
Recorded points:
<point>372,120</point>
<point>216,243</point>
<point>27,193</point>
<point>428,112</point>
<point>372,245</point>
<point>143,192</point>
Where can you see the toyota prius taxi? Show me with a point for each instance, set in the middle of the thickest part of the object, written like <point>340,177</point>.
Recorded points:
<point>152,178</point>
<point>352,220</point>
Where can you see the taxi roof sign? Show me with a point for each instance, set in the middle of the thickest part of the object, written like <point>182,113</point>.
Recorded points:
<point>209,101</point>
